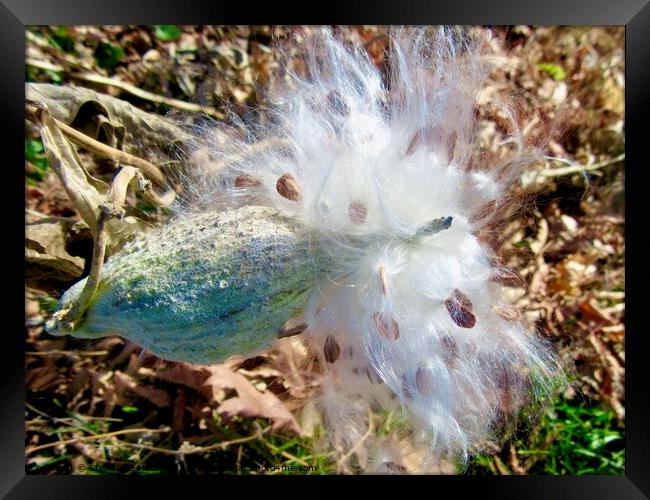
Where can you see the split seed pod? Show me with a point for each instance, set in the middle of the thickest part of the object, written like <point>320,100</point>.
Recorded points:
<point>374,186</point>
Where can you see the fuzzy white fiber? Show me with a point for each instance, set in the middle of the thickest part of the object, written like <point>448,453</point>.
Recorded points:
<point>386,171</point>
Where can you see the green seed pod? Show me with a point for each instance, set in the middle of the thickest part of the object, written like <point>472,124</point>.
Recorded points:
<point>204,287</point>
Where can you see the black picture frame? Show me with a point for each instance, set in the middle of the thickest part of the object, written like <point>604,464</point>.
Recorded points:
<point>16,14</point>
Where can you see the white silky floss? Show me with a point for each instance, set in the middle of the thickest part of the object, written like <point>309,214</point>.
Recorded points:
<point>386,178</point>
<point>409,319</point>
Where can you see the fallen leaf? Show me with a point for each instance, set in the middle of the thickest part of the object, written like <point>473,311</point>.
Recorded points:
<point>159,397</point>
<point>591,311</point>
<point>42,379</point>
<point>48,263</point>
<point>188,376</point>
<point>250,402</point>
<point>141,131</point>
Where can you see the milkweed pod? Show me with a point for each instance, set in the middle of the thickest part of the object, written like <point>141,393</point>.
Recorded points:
<point>204,287</point>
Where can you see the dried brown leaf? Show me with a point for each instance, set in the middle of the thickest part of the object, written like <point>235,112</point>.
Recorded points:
<point>48,263</point>
<point>159,397</point>
<point>187,375</point>
<point>142,131</point>
<point>86,192</point>
<point>249,402</point>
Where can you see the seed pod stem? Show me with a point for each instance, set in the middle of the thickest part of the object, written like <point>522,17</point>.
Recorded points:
<point>113,207</point>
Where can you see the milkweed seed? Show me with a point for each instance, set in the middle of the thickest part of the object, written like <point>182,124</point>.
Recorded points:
<point>507,277</point>
<point>429,136</point>
<point>357,212</point>
<point>405,388</point>
<point>247,181</point>
<point>423,380</point>
<point>386,326</point>
<point>462,299</point>
<point>332,350</point>
<point>383,280</point>
<point>393,467</point>
<point>508,313</point>
<point>373,376</point>
<point>450,352</point>
<point>337,104</point>
<point>287,187</point>
<point>291,331</point>
<point>459,308</point>
<point>505,391</point>
<point>451,146</point>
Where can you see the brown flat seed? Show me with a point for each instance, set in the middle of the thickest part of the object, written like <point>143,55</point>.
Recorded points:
<point>386,326</point>
<point>373,376</point>
<point>429,136</point>
<point>451,146</point>
<point>337,104</point>
<point>450,352</point>
<point>405,388</point>
<point>393,467</point>
<point>462,299</point>
<point>460,315</point>
<point>508,313</point>
<point>507,277</point>
<point>291,331</point>
<point>423,380</point>
<point>287,187</point>
<point>332,350</point>
<point>357,212</point>
<point>383,280</point>
<point>247,181</point>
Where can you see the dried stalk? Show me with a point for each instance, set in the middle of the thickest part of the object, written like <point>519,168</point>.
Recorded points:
<point>95,436</point>
<point>131,89</point>
<point>576,169</point>
<point>199,450</point>
<point>113,207</point>
<point>102,149</point>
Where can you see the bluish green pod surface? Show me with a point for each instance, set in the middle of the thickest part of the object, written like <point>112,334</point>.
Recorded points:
<point>204,287</point>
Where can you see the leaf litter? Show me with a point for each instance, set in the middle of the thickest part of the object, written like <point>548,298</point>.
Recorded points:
<point>108,402</point>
